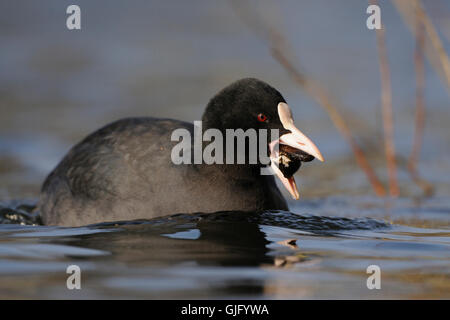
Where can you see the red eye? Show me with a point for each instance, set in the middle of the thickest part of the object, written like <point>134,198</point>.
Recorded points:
<point>262,117</point>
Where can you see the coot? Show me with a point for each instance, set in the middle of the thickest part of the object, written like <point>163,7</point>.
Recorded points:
<point>124,171</point>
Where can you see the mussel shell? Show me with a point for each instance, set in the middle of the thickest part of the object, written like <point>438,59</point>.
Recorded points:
<point>288,164</point>
<point>301,155</point>
<point>291,159</point>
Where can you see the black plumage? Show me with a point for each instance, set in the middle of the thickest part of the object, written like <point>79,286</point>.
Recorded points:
<point>124,171</point>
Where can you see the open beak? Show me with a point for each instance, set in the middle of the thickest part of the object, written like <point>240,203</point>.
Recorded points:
<point>295,139</point>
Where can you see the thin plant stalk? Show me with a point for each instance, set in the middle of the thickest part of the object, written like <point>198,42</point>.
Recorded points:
<point>436,54</point>
<point>278,45</point>
<point>420,113</point>
<point>435,41</point>
<point>323,99</point>
<point>387,114</point>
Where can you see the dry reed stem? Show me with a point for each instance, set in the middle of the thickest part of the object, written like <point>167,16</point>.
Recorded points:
<point>279,51</point>
<point>323,99</point>
<point>420,107</point>
<point>436,53</point>
<point>435,41</point>
<point>387,114</point>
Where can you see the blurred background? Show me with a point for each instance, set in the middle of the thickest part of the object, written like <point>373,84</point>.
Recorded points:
<point>167,59</point>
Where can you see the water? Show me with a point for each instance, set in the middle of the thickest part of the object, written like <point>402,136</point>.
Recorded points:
<point>236,255</point>
<point>167,60</point>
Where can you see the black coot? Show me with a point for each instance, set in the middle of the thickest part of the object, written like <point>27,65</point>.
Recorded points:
<point>124,171</point>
